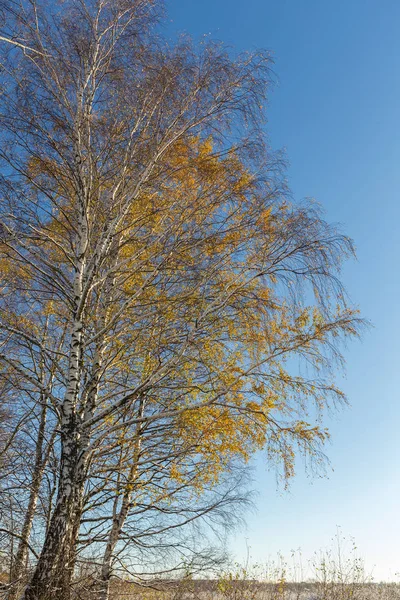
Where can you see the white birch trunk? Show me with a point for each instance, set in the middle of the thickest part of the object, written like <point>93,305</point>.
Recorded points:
<point>53,571</point>
<point>52,567</point>
<point>119,519</point>
<point>23,546</point>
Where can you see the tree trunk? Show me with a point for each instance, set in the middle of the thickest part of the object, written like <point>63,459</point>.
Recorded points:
<point>19,564</point>
<point>120,518</point>
<point>53,573</point>
<point>106,568</point>
<point>18,568</point>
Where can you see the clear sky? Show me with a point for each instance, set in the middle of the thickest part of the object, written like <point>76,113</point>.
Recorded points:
<point>336,111</point>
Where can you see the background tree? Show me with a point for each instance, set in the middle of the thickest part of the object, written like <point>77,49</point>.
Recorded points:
<point>145,219</point>
<point>28,446</point>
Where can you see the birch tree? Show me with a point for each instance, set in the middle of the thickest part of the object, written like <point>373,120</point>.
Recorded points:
<point>28,445</point>
<point>150,503</point>
<point>144,217</point>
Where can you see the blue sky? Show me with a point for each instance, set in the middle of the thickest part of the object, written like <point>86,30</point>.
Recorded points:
<point>336,111</point>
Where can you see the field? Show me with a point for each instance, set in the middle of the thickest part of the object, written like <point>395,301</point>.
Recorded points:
<point>251,590</point>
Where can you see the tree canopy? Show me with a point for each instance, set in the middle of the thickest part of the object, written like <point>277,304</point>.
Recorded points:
<point>165,305</point>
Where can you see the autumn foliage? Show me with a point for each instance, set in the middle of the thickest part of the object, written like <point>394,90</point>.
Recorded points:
<point>164,301</point>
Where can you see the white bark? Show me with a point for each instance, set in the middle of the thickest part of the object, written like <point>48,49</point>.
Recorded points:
<point>23,546</point>
<point>119,517</point>
<point>54,571</point>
